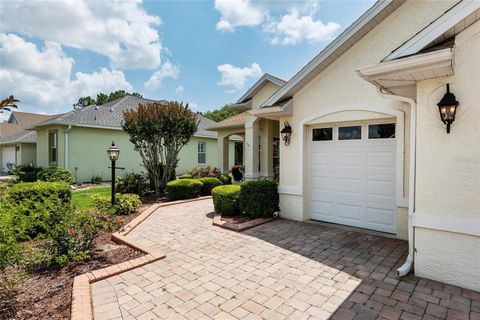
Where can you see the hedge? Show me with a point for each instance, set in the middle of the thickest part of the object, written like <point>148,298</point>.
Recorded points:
<point>225,199</point>
<point>54,174</point>
<point>183,189</point>
<point>208,184</point>
<point>185,176</point>
<point>259,198</point>
<point>125,203</point>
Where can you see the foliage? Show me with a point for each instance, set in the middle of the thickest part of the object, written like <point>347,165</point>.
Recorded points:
<point>26,173</point>
<point>158,132</point>
<point>125,203</point>
<point>136,183</point>
<point>259,198</point>
<point>225,199</point>
<point>225,179</point>
<point>202,172</point>
<point>185,176</point>
<point>82,199</point>
<point>103,98</point>
<point>39,205</point>
<point>9,248</point>
<point>8,104</point>
<point>221,114</point>
<point>55,174</point>
<point>208,184</point>
<point>183,189</point>
<point>96,179</point>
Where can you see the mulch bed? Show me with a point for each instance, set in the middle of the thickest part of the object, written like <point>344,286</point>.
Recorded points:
<point>47,294</point>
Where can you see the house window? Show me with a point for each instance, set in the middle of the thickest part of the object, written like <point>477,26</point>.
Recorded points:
<point>350,133</point>
<point>322,134</point>
<point>381,131</point>
<point>202,153</point>
<point>52,147</point>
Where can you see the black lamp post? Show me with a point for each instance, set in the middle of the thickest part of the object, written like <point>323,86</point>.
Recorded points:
<point>447,108</point>
<point>113,153</point>
<point>286,133</point>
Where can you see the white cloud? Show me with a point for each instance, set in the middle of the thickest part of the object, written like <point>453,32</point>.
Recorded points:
<point>179,89</point>
<point>167,70</point>
<point>42,77</point>
<point>294,28</point>
<point>234,77</point>
<point>238,13</point>
<point>121,30</point>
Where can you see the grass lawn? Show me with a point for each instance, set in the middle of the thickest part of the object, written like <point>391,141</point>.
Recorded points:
<point>83,198</point>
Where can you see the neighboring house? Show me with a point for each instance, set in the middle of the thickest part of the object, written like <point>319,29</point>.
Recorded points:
<point>78,140</point>
<point>368,148</point>
<point>18,146</point>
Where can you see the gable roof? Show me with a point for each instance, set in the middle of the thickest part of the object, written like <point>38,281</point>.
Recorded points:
<point>14,131</point>
<point>367,21</point>
<point>110,116</point>
<point>257,86</point>
<point>25,119</point>
<point>236,121</point>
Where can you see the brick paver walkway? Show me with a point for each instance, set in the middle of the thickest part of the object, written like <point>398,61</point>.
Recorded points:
<point>280,270</point>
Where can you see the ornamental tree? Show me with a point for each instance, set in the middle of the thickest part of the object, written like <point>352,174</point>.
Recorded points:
<point>158,132</point>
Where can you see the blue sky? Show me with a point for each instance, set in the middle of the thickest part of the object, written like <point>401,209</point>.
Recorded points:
<point>206,53</point>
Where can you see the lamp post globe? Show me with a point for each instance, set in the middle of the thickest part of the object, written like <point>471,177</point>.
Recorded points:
<point>113,154</point>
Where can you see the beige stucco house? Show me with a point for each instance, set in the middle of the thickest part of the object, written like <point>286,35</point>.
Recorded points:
<point>368,148</point>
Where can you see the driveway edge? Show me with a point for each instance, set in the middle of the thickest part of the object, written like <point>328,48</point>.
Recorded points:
<point>82,304</point>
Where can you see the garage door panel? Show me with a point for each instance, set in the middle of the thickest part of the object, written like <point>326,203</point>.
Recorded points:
<point>349,159</point>
<point>378,218</point>
<point>350,212</point>
<point>322,209</point>
<point>349,185</point>
<point>323,183</point>
<point>384,188</point>
<point>381,159</point>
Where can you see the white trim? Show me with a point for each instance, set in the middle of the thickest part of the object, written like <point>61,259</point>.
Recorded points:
<point>337,43</point>
<point>274,112</point>
<point>468,226</point>
<point>401,200</point>
<point>265,77</point>
<point>295,191</point>
<point>446,21</point>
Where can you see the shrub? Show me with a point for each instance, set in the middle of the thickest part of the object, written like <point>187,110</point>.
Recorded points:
<point>208,184</point>
<point>125,203</point>
<point>136,183</point>
<point>200,172</point>
<point>96,179</point>
<point>185,176</point>
<point>54,174</point>
<point>225,199</point>
<point>183,189</point>
<point>39,205</point>
<point>26,173</point>
<point>259,198</point>
<point>225,179</point>
<point>9,248</point>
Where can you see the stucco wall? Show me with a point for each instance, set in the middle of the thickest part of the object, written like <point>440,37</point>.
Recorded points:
<point>261,96</point>
<point>28,154</point>
<point>448,173</point>
<point>339,85</point>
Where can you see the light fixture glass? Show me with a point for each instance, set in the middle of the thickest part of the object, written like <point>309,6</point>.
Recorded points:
<point>286,133</point>
<point>448,108</point>
<point>113,152</point>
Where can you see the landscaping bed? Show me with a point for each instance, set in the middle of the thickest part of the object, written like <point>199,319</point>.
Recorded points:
<point>238,223</point>
<point>46,294</point>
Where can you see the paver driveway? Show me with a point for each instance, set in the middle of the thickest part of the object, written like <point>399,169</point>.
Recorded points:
<point>280,270</point>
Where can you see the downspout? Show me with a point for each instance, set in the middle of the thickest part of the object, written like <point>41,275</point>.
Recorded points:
<point>66,146</point>
<point>408,264</point>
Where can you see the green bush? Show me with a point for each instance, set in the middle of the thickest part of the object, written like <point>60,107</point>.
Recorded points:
<point>225,179</point>
<point>259,198</point>
<point>136,183</point>
<point>26,173</point>
<point>225,199</point>
<point>54,174</point>
<point>183,189</point>
<point>185,176</point>
<point>200,172</point>
<point>208,185</point>
<point>39,205</point>
<point>96,179</point>
<point>9,248</point>
<point>125,203</point>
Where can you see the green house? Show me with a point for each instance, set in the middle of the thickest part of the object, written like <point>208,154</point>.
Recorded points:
<point>78,140</point>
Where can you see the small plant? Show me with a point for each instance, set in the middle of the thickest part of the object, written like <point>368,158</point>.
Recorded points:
<point>185,176</point>
<point>55,174</point>
<point>96,179</point>
<point>125,203</point>
<point>183,189</point>
<point>208,184</point>
<point>200,172</point>
<point>225,199</point>
<point>136,183</point>
<point>9,247</point>
<point>225,179</point>
<point>27,173</point>
<point>259,198</point>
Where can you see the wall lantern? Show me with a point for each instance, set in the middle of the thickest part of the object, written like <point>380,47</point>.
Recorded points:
<point>286,133</point>
<point>447,108</point>
<point>113,153</point>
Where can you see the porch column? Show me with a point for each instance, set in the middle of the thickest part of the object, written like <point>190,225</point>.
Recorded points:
<point>251,147</point>
<point>266,149</point>
<point>223,152</point>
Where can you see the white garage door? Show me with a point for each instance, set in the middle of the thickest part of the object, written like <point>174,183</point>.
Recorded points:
<point>352,175</point>
<point>8,156</point>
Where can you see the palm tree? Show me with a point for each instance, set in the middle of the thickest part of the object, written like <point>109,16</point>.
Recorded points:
<point>8,103</point>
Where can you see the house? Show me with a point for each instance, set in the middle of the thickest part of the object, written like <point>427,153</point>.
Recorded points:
<point>368,146</point>
<point>78,140</point>
<point>18,146</point>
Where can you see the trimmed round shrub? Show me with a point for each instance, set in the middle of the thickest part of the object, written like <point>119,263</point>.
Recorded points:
<point>183,189</point>
<point>225,179</point>
<point>54,174</point>
<point>259,199</point>
<point>208,185</point>
<point>125,203</point>
<point>225,199</point>
<point>185,176</point>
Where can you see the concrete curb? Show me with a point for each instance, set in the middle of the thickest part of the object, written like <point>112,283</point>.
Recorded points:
<point>82,304</point>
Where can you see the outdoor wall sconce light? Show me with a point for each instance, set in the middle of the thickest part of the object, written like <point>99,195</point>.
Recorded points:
<point>286,133</point>
<point>447,108</point>
<point>113,154</point>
